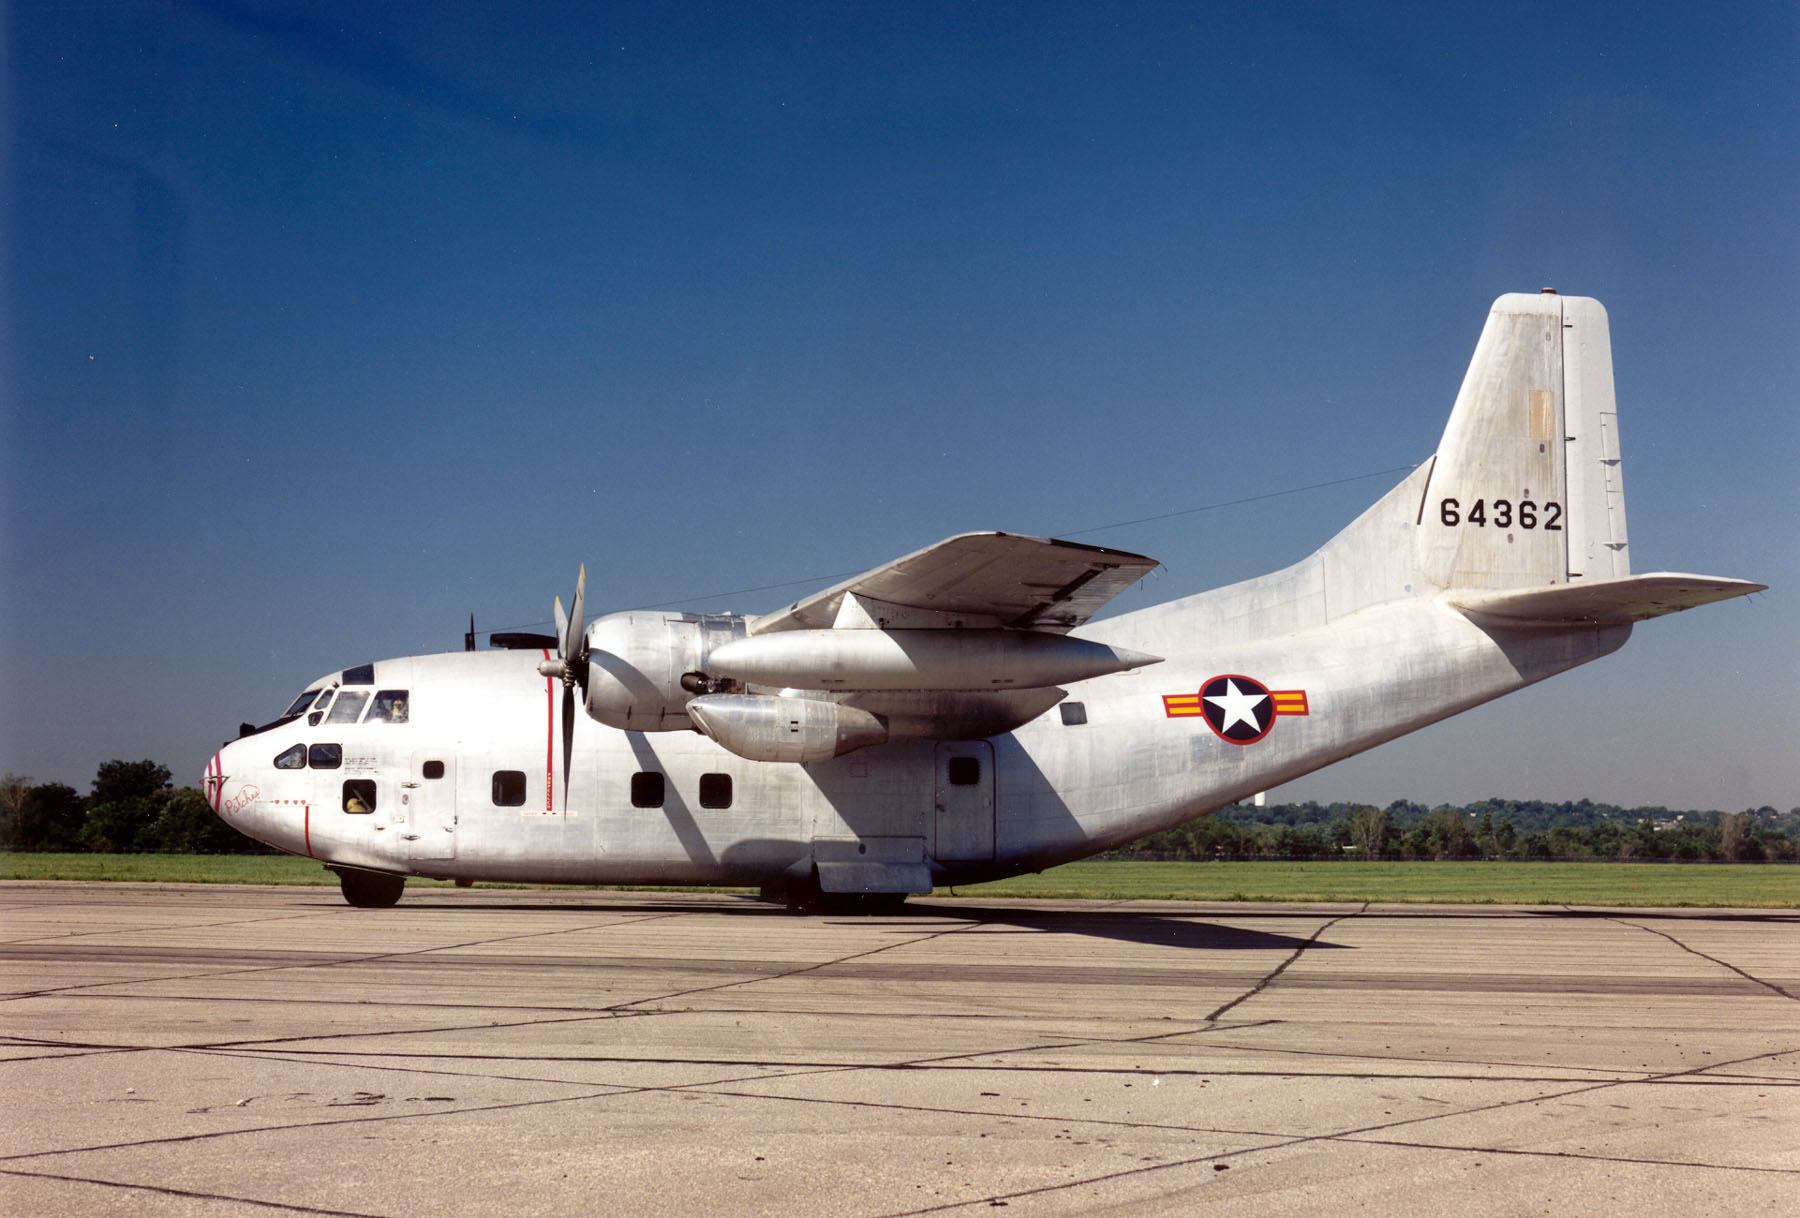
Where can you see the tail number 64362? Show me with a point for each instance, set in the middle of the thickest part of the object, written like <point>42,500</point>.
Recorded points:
<point>1502,514</point>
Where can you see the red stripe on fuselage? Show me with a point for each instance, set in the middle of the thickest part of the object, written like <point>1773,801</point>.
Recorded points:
<point>549,741</point>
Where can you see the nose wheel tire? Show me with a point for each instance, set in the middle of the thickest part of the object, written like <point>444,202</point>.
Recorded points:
<point>370,889</point>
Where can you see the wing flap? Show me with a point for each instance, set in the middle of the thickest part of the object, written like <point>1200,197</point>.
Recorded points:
<point>977,580</point>
<point>1610,602</point>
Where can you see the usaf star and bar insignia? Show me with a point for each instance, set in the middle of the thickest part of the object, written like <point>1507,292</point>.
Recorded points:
<point>1239,709</point>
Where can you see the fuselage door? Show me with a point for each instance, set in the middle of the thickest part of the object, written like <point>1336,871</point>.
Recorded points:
<point>965,800</point>
<point>429,795</point>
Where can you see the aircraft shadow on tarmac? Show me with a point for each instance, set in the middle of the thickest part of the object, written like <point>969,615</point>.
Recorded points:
<point>1128,926</point>
<point>1125,926</point>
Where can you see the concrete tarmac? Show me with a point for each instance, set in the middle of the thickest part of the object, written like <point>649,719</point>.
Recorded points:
<point>176,1049</point>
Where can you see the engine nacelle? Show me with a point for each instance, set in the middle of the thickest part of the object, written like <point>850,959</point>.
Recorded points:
<point>636,661</point>
<point>764,727</point>
<point>919,659</point>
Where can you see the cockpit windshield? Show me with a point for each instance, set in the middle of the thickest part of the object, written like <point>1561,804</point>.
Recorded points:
<point>348,706</point>
<point>300,704</point>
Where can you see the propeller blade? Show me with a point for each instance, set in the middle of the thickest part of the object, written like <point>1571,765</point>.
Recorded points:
<point>573,643</point>
<point>568,733</point>
<point>571,665</point>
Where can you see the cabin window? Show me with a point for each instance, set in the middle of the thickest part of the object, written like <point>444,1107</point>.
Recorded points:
<point>715,790</point>
<point>646,790</point>
<point>390,706</point>
<point>293,759</point>
<point>509,788</point>
<point>301,703</point>
<point>965,771</point>
<point>432,769</point>
<point>359,796</point>
<point>325,756</point>
<point>1074,714</point>
<point>348,706</point>
<point>362,674</point>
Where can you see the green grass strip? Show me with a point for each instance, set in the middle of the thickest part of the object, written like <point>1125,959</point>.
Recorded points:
<point>1747,885</point>
<point>1698,884</point>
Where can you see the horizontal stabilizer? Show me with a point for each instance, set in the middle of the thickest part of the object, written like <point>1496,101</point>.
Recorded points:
<point>1611,602</point>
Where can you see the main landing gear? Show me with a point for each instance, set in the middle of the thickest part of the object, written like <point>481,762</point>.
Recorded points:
<point>804,896</point>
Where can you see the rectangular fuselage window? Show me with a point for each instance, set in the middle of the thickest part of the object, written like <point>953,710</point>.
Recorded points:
<point>432,769</point>
<point>715,790</point>
<point>509,788</point>
<point>646,790</point>
<point>1074,714</point>
<point>359,796</point>
<point>965,771</point>
<point>325,756</point>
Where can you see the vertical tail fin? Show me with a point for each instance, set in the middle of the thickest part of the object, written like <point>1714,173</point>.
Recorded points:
<point>1519,517</point>
<point>1525,489</point>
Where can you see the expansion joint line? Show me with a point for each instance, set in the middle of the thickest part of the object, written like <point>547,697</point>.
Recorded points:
<point>163,1190</point>
<point>628,1008</point>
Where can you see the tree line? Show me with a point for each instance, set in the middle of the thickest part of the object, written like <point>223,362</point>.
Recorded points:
<point>1487,829</point>
<point>134,807</point>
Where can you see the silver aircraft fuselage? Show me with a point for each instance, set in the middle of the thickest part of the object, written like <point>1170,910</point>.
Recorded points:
<point>955,715</point>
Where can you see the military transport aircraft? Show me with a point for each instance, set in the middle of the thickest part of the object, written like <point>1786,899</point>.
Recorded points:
<point>954,715</point>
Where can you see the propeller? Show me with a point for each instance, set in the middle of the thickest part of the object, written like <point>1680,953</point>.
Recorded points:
<point>571,665</point>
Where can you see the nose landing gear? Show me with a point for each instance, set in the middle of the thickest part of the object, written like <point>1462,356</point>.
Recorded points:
<point>369,889</point>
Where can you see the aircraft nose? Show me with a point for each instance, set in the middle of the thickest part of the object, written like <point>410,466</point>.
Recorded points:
<point>213,782</point>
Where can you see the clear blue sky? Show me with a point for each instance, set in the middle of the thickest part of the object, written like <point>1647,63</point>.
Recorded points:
<point>327,324</point>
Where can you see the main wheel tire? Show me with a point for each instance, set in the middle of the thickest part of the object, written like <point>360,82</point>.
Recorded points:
<point>371,889</point>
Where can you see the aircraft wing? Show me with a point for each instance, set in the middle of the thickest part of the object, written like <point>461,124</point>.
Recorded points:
<point>1610,602</point>
<point>985,580</point>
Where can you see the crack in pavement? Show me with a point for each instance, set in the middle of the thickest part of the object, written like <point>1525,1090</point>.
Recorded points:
<point>1663,934</point>
<point>1281,968</point>
<point>1351,1136</point>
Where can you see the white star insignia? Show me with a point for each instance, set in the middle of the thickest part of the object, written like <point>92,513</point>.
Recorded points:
<point>1236,706</point>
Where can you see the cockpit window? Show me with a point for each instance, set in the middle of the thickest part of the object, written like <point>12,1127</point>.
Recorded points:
<point>300,704</point>
<point>390,706</point>
<point>293,759</point>
<point>348,706</point>
<point>362,674</point>
<point>318,710</point>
